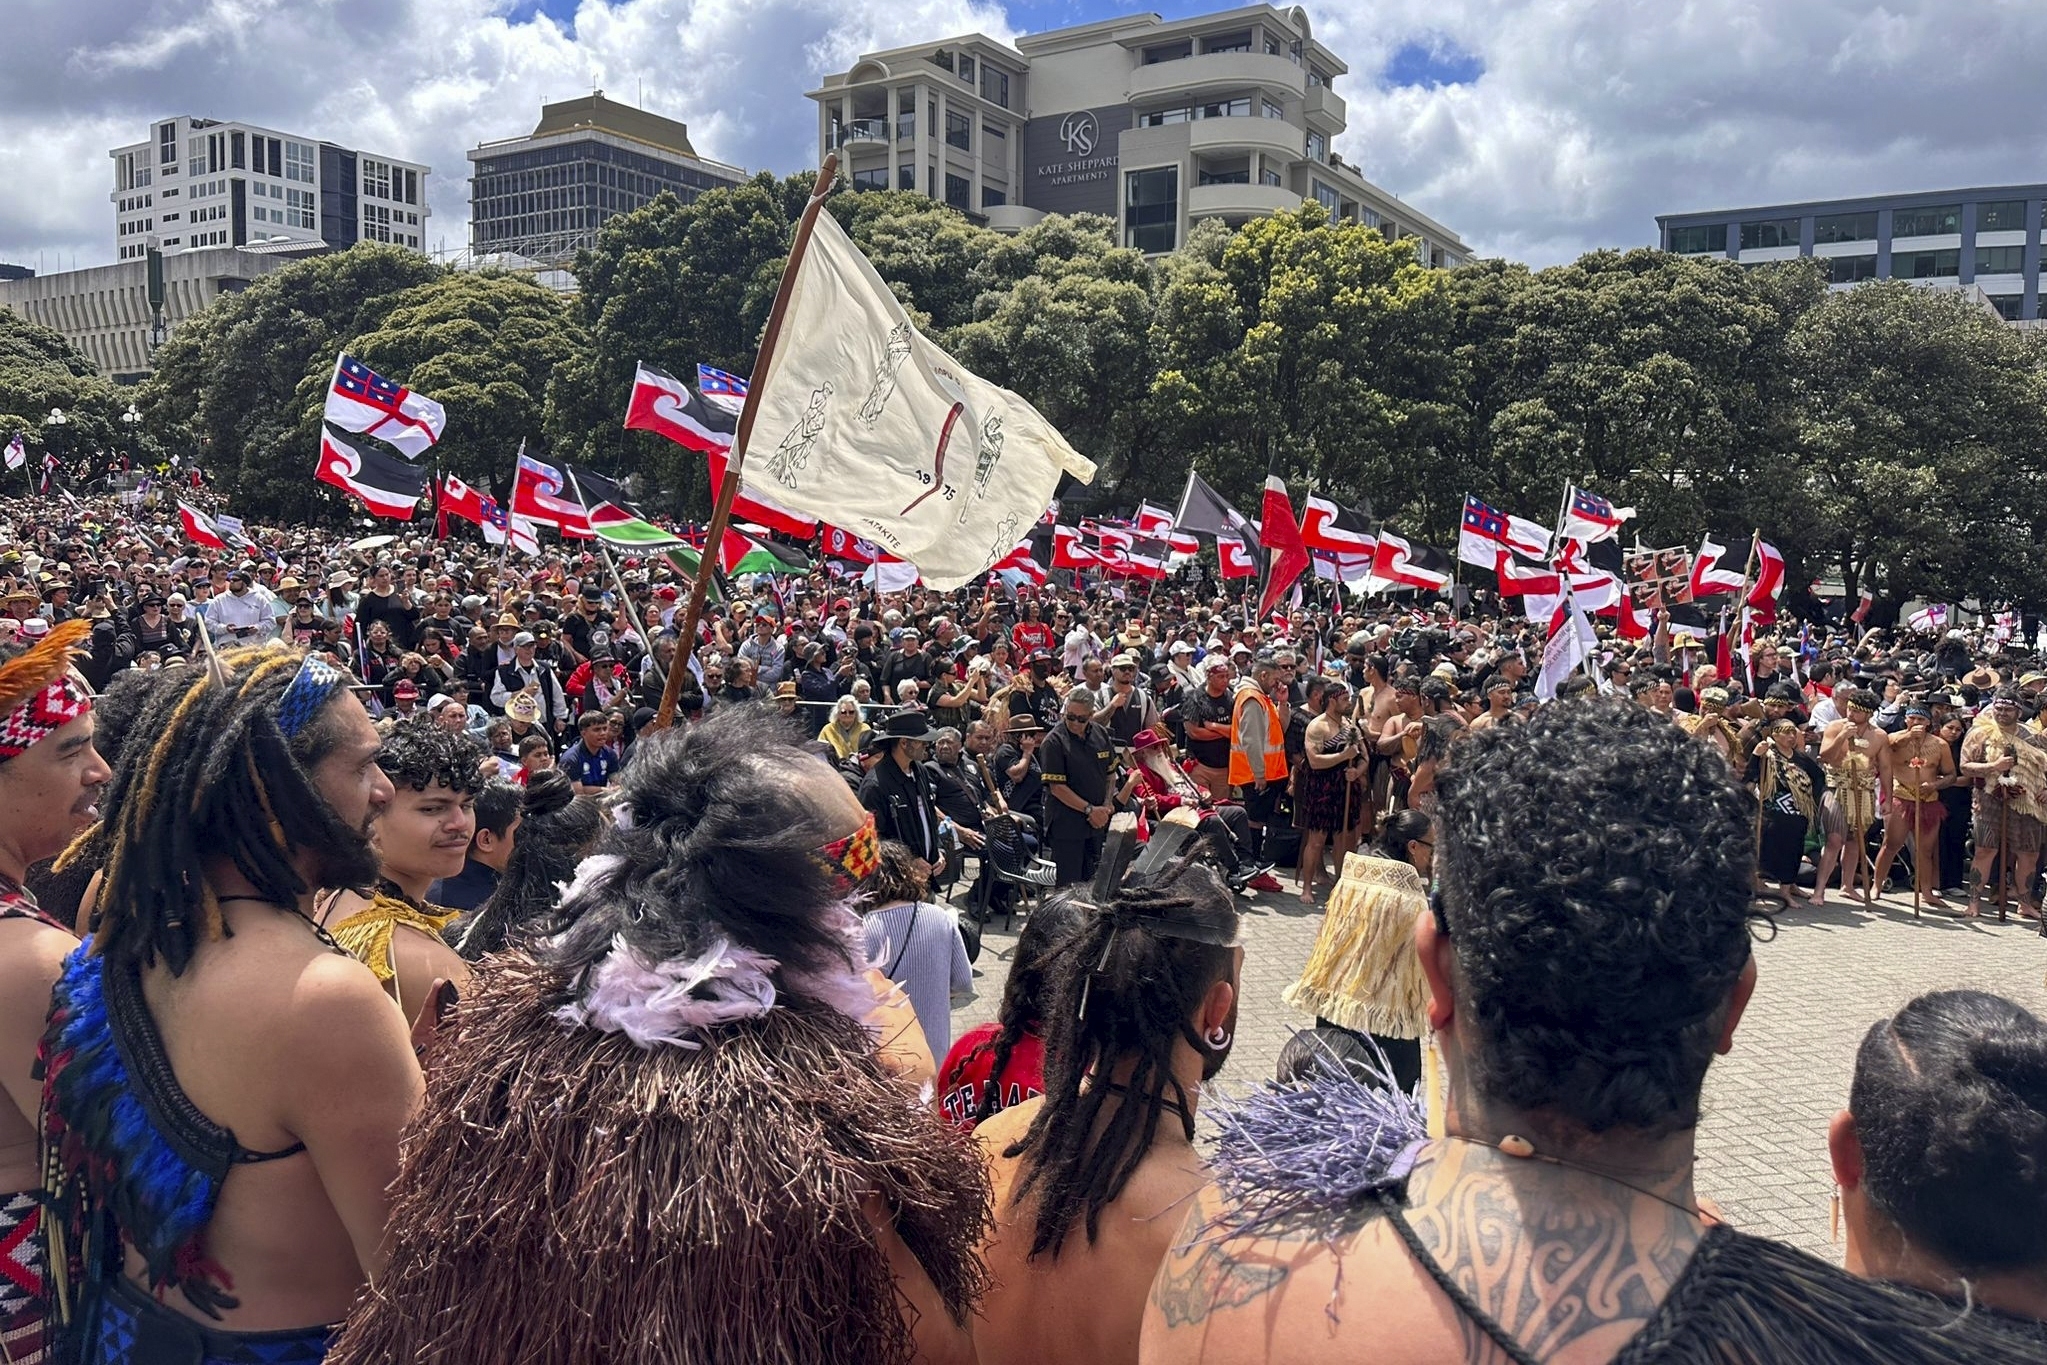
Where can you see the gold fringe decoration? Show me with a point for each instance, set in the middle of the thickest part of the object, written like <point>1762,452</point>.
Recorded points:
<point>1363,973</point>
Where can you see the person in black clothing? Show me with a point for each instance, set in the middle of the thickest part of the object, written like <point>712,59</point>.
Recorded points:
<point>1207,716</point>
<point>490,848</point>
<point>1034,690</point>
<point>957,783</point>
<point>1077,759</point>
<point>900,791</point>
<point>906,662</point>
<point>1017,769</point>
<point>380,602</point>
<point>579,625</point>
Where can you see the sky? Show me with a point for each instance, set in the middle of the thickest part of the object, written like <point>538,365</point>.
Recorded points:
<point>1536,129</point>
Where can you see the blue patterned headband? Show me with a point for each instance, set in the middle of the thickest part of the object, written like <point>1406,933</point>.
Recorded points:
<point>315,683</point>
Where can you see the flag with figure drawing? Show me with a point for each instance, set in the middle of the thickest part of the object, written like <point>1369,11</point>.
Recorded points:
<point>862,421</point>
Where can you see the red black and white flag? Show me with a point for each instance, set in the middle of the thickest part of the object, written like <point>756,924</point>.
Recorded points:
<point>1158,522</point>
<point>666,406</point>
<point>361,400</point>
<point>1069,553</point>
<point>541,494</point>
<point>1021,561</point>
<point>1280,535</point>
<point>1709,574</point>
<point>845,545</point>
<point>1234,558</point>
<point>387,487</point>
<point>1330,526</point>
<point>1865,598</point>
<point>1519,578</point>
<point>1763,593</point>
<point>1405,564</point>
<point>199,528</point>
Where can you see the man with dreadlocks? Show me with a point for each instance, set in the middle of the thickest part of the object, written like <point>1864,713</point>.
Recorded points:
<point>223,1087</point>
<point>422,835</point>
<point>50,779</point>
<point>666,1133</point>
<point>1579,990</point>
<point>1090,1177</point>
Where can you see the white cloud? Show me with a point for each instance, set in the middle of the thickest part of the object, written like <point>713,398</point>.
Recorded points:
<point>1591,117</point>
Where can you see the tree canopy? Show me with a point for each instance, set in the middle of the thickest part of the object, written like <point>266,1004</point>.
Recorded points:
<point>1893,435</point>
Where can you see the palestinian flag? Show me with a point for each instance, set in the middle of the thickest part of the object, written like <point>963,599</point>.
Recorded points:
<point>615,520</point>
<point>742,555</point>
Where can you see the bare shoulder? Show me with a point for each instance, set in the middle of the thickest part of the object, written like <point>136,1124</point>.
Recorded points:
<point>31,959</point>
<point>1214,1295</point>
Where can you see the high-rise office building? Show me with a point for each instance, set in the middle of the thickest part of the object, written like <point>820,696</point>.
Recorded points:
<point>1157,125</point>
<point>199,183</point>
<point>543,196</point>
<point>1988,238</point>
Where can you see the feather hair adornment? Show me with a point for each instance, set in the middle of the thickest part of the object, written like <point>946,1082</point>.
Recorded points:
<point>35,668</point>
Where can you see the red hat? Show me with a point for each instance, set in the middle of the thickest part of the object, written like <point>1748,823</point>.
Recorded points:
<point>405,689</point>
<point>668,592</point>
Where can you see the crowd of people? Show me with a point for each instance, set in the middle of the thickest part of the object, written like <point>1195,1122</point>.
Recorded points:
<point>379,980</point>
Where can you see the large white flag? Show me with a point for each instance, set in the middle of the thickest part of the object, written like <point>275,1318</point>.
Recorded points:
<point>1571,640</point>
<point>863,422</point>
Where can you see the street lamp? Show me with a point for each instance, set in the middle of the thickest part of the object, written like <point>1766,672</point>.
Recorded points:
<point>131,416</point>
<point>56,418</point>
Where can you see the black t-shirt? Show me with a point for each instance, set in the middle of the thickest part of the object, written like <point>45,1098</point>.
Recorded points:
<point>1083,762</point>
<point>1203,709</point>
<point>1024,795</point>
<point>394,610</point>
<point>576,630</point>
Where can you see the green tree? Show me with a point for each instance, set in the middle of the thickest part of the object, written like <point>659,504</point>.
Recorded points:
<point>40,370</point>
<point>226,392</point>
<point>1922,425</point>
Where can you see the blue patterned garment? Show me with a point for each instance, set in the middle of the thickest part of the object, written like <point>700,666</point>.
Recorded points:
<point>132,1328</point>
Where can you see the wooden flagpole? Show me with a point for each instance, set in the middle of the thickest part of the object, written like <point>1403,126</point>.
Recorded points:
<point>728,489</point>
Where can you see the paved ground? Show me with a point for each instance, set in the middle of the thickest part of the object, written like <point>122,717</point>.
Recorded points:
<point>1828,974</point>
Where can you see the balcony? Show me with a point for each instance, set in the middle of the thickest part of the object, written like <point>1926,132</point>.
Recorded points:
<point>1271,135</point>
<point>1236,70</point>
<point>1325,107</point>
<point>1240,201</point>
<point>862,130</point>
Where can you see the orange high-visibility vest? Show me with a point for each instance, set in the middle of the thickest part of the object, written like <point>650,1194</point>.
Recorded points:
<point>1275,741</point>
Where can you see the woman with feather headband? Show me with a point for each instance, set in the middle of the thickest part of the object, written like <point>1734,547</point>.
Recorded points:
<point>672,1118</point>
<point>50,782</point>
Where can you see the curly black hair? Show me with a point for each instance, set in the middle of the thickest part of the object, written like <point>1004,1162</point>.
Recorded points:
<point>1597,868</point>
<point>418,753</point>
<point>1950,1105</point>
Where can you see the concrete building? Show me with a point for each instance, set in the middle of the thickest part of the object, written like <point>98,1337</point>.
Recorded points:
<point>1158,125</point>
<point>104,310</point>
<point>198,183</point>
<point>543,197</point>
<point>1988,238</point>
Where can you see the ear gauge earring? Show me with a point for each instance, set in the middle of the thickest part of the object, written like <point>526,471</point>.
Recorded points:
<point>1834,1217</point>
<point>1217,1038</point>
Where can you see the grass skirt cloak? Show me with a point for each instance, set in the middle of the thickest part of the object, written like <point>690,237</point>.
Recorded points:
<point>566,1196</point>
<point>1364,972</point>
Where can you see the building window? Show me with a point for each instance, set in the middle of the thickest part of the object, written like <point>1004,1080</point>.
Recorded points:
<point>1237,108</point>
<point>906,176</point>
<point>1927,222</point>
<point>1269,177</point>
<point>167,145</point>
<point>376,223</point>
<point>994,130</point>
<point>1272,47</point>
<point>2007,215</point>
<point>1690,241</point>
<point>1229,42</point>
<point>1845,227</point>
<point>1316,78</point>
<point>1326,197</point>
<point>1242,177</point>
<point>2010,307</point>
<point>958,131</point>
<point>931,118</point>
<point>1167,52</point>
<point>943,58</point>
<point>1151,209</point>
<point>2000,260</point>
<point>906,117</point>
<point>995,85</point>
<point>1851,269</point>
<point>1769,233</point>
<point>876,179</point>
<point>1318,147</point>
<point>376,179</point>
<point>237,151</point>
<point>992,197</point>
<point>959,191</point>
<point>966,71</point>
<point>1272,109</point>
<point>412,185</point>
<point>1926,265</point>
<point>1159,118</point>
<point>298,162</point>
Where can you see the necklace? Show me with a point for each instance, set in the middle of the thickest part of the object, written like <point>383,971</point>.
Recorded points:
<point>1521,1149</point>
<point>319,929</point>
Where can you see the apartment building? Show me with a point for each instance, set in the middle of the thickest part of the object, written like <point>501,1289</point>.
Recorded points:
<point>198,183</point>
<point>1986,238</point>
<point>544,196</point>
<point>1157,125</point>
